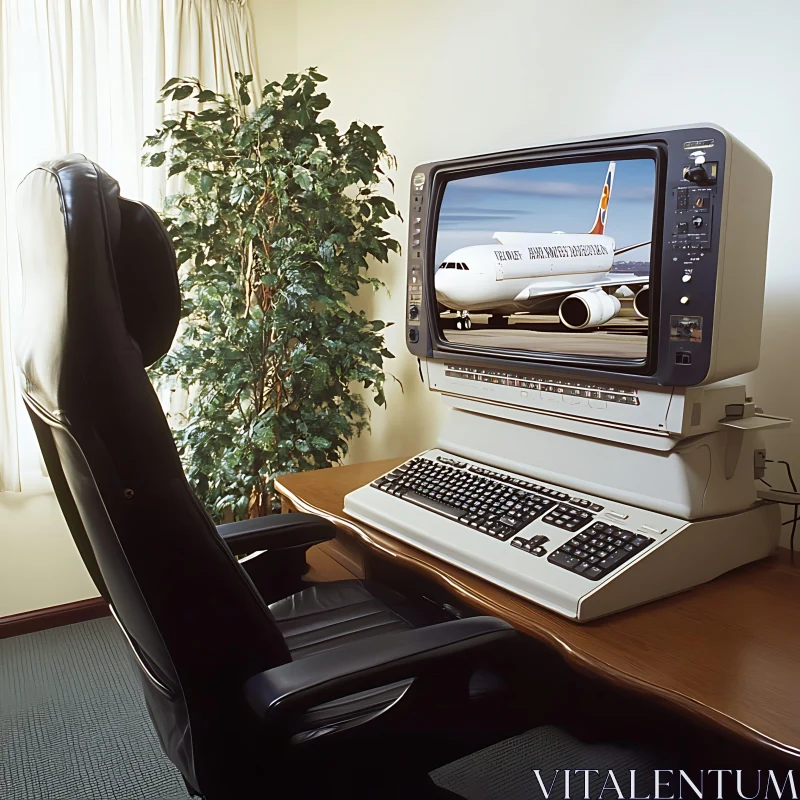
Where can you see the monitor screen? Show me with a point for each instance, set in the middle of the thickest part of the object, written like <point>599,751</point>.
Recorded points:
<point>548,259</point>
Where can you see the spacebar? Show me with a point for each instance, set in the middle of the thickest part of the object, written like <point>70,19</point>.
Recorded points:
<point>433,505</point>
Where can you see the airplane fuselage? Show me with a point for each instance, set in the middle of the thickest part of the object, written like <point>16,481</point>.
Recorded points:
<point>523,272</point>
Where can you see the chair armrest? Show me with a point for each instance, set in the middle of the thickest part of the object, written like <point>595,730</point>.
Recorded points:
<point>293,688</point>
<point>276,532</point>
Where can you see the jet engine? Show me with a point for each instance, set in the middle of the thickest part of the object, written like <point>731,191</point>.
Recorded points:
<point>641,302</point>
<point>588,309</point>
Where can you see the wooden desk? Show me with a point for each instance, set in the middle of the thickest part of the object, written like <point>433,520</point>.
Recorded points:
<point>726,653</point>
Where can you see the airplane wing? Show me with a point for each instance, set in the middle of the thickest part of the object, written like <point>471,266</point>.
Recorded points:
<point>535,291</point>
<point>630,247</point>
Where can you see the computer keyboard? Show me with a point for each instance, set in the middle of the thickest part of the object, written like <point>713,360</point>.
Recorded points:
<point>485,499</point>
<point>575,553</point>
<point>500,506</point>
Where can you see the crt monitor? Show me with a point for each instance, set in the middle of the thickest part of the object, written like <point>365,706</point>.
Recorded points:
<point>639,258</point>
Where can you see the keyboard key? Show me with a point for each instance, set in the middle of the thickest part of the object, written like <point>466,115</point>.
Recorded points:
<point>563,560</point>
<point>593,573</point>
<point>432,505</point>
<point>503,532</point>
<point>614,560</point>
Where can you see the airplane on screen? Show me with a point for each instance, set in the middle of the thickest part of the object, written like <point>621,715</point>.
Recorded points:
<point>542,273</point>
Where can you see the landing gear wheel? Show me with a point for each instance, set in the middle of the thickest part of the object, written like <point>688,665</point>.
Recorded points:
<point>463,322</point>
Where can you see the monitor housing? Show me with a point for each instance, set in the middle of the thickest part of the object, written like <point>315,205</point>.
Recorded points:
<point>567,427</point>
<point>703,302</point>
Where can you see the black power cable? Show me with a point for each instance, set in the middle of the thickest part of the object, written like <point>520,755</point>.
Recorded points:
<point>795,518</point>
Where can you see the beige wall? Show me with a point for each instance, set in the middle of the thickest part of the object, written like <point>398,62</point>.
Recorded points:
<point>453,77</point>
<point>275,23</point>
<point>39,564</point>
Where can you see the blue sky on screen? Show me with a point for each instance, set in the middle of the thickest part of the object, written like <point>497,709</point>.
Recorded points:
<point>545,199</point>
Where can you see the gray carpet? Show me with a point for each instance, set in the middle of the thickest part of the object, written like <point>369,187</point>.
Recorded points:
<point>505,771</point>
<point>73,723</point>
<point>73,726</point>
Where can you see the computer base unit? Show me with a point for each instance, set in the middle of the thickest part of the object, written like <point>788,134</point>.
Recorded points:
<point>579,555</point>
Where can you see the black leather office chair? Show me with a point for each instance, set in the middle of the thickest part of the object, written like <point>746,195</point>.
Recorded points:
<point>249,699</point>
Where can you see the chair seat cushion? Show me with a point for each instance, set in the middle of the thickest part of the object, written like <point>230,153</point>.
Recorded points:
<point>328,615</point>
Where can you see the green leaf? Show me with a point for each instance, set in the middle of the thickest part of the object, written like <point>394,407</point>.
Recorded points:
<point>206,182</point>
<point>240,193</point>
<point>182,92</point>
<point>177,167</point>
<point>206,96</point>
<point>303,178</point>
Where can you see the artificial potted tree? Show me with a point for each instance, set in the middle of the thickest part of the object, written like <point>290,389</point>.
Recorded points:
<point>274,232</point>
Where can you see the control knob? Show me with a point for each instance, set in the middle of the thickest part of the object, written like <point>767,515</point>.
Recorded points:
<point>413,312</point>
<point>699,175</point>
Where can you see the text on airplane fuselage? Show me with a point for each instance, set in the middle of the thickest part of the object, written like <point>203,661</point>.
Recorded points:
<point>556,251</point>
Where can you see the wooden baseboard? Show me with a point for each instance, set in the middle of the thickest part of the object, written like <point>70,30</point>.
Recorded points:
<point>53,617</point>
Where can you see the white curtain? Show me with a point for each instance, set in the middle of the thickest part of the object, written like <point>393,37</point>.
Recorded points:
<point>83,76</point>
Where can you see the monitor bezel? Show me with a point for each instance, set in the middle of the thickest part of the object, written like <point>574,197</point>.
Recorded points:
<point>443,173</point>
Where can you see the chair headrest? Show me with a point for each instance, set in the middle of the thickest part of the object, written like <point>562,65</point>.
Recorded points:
<point>90,255</point>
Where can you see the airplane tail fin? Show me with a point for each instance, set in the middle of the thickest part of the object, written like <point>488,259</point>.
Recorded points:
<point>602,209</point>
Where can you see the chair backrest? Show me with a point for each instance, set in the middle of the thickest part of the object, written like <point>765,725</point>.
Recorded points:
<point>101,302</point>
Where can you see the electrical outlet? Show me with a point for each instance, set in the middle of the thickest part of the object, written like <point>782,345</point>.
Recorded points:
<point>759,463</point>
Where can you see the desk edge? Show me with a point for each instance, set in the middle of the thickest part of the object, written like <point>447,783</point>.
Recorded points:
<point>577,658</point>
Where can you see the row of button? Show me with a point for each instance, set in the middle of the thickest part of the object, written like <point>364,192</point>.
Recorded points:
<point>568,518</point>
<point>530,486</point>
<point>682,244</point>
<point>445,488</point>
<point>591,394</point>
<point>520,483</point>
<point>543,384</point>
<point>599,550</point>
